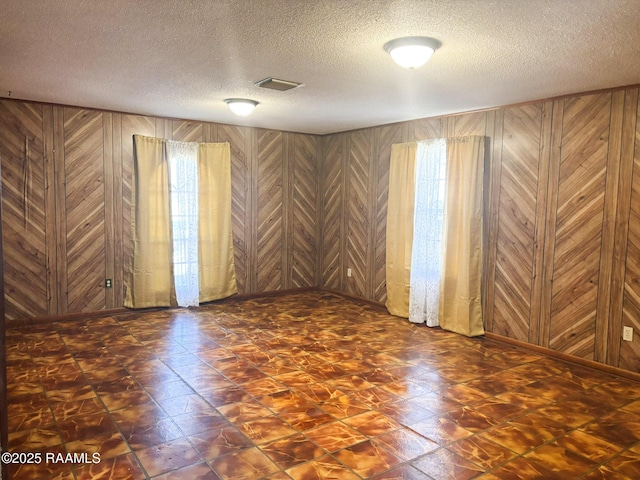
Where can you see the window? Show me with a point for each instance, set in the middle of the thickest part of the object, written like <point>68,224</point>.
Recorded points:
<point>428,224</point>
<point>183,175</point>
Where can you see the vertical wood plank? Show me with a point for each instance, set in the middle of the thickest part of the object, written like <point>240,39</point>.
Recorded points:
<point>371,214</point>
<point>493,168</point>
<point>608,225</point>
<point>4,420</point>
<point>629,352</point>
<point>109,206</point>
<point>555,155</point>
<point>320,161</point>
<point>60,217</point>
<point>50,210</point>
<point>252,214</point>
<point>251,149</point>
<point>625,188</point>
<point>344,225</point>
<point>118,227</point>
<point>540,234</point>
<point>287,245</point>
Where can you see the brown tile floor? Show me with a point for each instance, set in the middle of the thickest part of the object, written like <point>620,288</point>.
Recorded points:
<point>307,386</point>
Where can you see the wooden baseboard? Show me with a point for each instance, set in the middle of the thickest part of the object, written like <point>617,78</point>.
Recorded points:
<point>601,367</point>
<point>271,293</point>
<point>355,297</point>
<point>123,310</point>
<point>21,322</point>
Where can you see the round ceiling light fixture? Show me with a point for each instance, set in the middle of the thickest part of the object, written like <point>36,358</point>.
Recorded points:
<point>412,52</point>
<point>241,106</point>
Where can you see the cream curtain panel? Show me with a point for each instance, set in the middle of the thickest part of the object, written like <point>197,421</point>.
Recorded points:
<point>460,306</point>
<point>400,226</point>
<point>217,268</point>
<point>150,281</point>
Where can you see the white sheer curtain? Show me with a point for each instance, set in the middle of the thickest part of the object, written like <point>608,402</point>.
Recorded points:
<point>183,176</point>
<point>426,258</point>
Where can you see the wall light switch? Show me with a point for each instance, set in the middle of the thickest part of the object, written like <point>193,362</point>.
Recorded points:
<point>348,272</point>
<point>627,334</point>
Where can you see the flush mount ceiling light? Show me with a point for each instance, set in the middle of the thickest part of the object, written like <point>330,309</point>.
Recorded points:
<point>412,52</point>
<point>241,106</point>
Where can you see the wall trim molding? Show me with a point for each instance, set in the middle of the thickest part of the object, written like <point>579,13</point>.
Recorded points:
<point>601,367</point>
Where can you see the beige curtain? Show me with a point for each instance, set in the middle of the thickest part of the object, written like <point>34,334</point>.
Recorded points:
<point>400,226</point>
<point>460,308</point>
<point>150,279</point>
<point>217,271</point>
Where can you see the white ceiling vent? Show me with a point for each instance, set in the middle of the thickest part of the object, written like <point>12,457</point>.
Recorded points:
<point>276,84</point>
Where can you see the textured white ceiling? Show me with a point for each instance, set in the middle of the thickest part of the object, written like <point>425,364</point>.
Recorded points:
<point>182,58</point>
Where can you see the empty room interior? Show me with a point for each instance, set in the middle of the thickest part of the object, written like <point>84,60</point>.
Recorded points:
<point>250,240</point>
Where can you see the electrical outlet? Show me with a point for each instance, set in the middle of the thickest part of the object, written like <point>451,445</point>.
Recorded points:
<point>108,283</point>
<point>348,272</point>
<point>627,334</point>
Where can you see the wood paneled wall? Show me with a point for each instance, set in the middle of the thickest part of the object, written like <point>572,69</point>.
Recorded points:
<point>562,212</point>
<point>562,218</point>
<point>66,202</point>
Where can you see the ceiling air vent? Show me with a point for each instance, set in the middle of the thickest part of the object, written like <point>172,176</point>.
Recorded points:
<point>276,84</point>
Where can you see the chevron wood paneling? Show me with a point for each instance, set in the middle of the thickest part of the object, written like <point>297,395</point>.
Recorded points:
<point>270,210</point>
<point>302,203</point>
<point>84,209</point>
<point>630,351</point>
<point>92,183</point>
<point>517,221</point>
<point>187,131</point>
<point>387,137</point>
<point>426,128</point>
<point>305,192</point>
<point>333,210</point>
<point>358,212</point>
<point>236,136</point>
<point>24,226</point>
<point>581,188</point>
<point>467,124</point>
